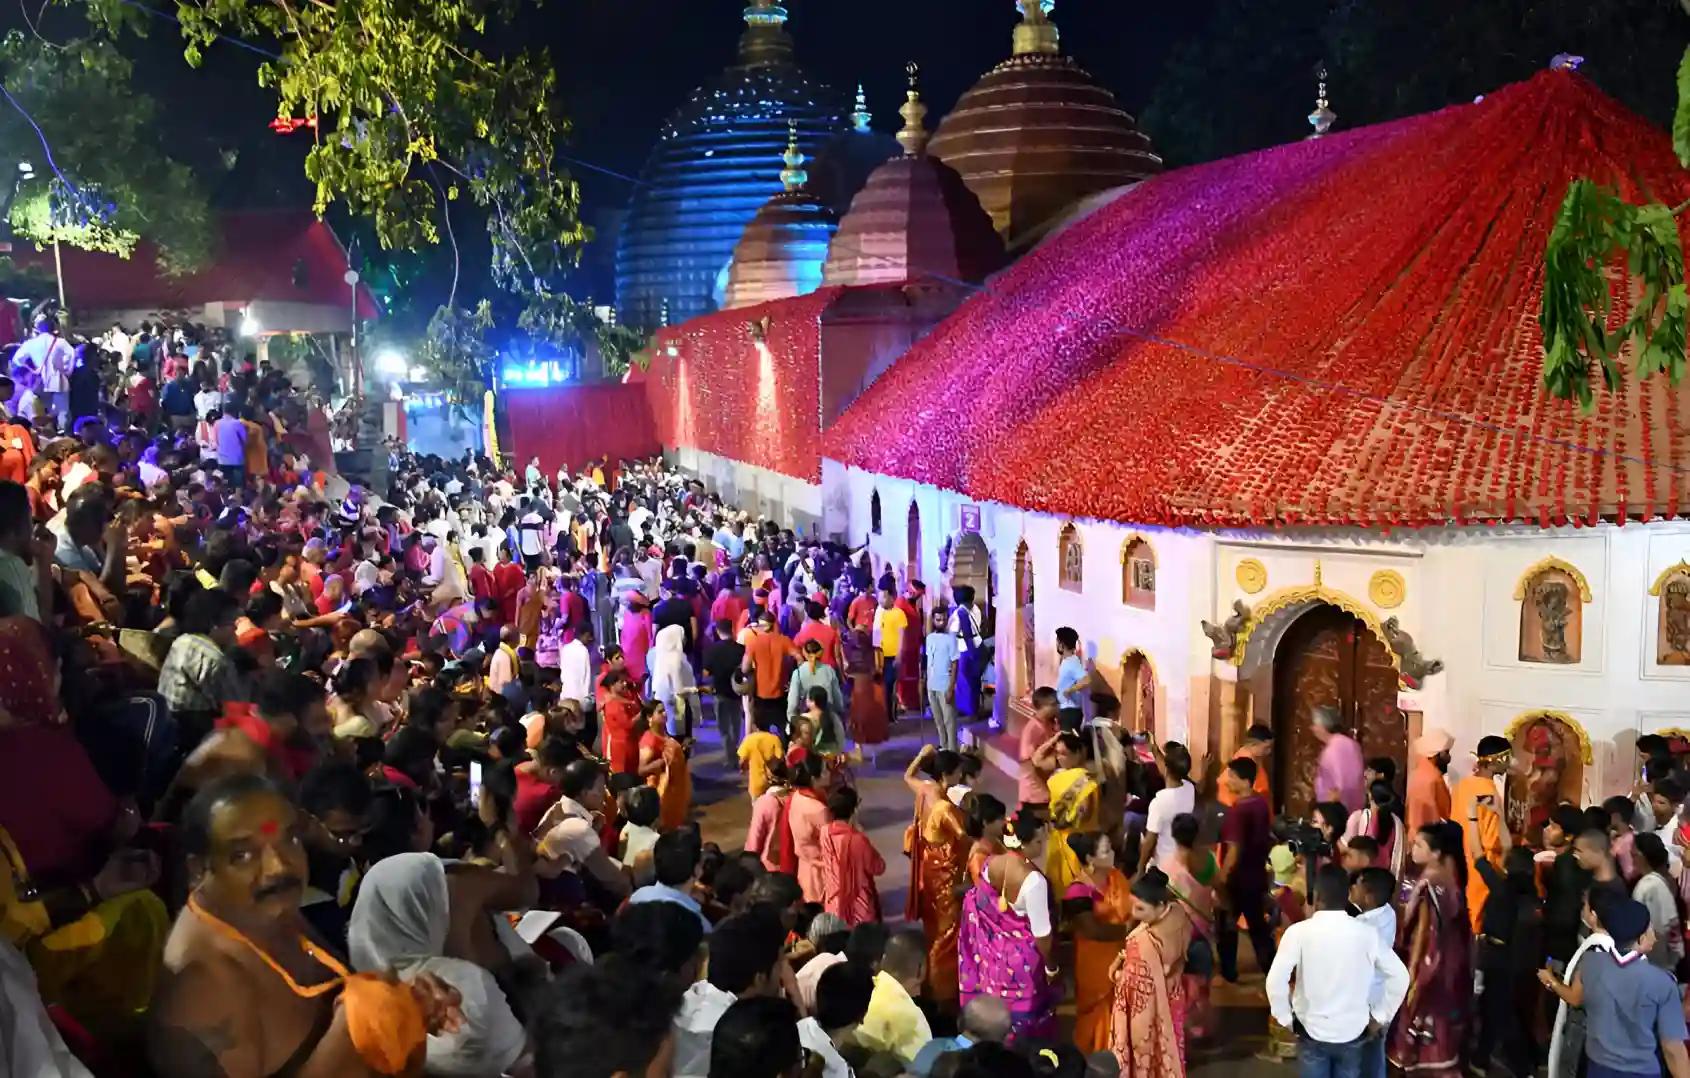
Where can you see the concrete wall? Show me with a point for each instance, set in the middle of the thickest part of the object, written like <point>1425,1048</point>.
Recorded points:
<point>776,496</point>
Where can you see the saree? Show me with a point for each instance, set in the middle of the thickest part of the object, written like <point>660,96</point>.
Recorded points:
<point>1073,809</point>
<point>914,843</point>
<point>982,851</point>
<point>1431,1027</point>
<point>938,896</point>
<point>868,697</point>
<point>673,784</point>
<point>1193,892</point>
<point>1147,1031</point>
<point>1094,991</point>
<point>998,956</point>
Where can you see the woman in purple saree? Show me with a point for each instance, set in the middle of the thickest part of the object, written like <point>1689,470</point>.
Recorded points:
<point>1004,947</point>
<point>1435,941</point>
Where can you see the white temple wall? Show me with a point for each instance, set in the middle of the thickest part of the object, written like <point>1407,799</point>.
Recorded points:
<point>776,496</point>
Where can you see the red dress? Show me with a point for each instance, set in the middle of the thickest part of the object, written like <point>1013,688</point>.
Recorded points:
<point>621,747</point>
<point>508,581</point>
<point>849,865</point>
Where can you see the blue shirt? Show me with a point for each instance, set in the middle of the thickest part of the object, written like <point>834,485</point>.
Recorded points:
<point>1629,1010</point>
<point>1071,673</point>
<point>941,653</point>
<point>922,1064</point>
<point>662,892</point>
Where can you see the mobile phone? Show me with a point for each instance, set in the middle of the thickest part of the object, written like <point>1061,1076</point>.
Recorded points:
<point>474,783</point>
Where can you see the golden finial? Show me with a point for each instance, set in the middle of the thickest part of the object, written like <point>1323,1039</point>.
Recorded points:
<point>793,175</point>
<point>861,117</point>
<point>1317,573</point>
<point>913,138</point>
<point>1322,117</point>
<point>765,41</point>
<point>1036,33</point>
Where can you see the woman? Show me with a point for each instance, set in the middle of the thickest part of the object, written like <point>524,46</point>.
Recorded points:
<point>636,636</point>
<point>663,765</point>
<point>672,679</point>
<point>868,696</point>
<point>824,722</point>
<point>928,776</point>
<point>1098,905</point>
<point>71,897</point>
<point>987,819</point>
<point>1148,1019</point>
<point>1437,940</point>
<point>621,710</point>
<point>1191,872</point>
<point>804,817</point>
<point>1330,818</point>
<point>1073,803</point>
<point>939,879</point>
<point>354,709</point>
<point>1004,947</point>
<point>1382,821</point>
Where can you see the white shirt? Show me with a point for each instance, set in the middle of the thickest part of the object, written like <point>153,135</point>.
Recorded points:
<point>701,1008</point>
<point>575,672</point>
<point>812,1036</point>
<point>1335,959</point>
<point>530,530</point>
<point>1383,921</point>
<point>51,356</point>
<point>1164,806</point>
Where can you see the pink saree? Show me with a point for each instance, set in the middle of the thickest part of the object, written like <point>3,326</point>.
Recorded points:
<point>1147,1032</point>
<point>997,956</point>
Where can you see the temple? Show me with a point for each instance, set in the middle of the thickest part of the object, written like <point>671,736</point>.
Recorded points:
<point>1270,432</point>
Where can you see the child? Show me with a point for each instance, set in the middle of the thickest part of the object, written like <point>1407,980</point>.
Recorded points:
<point>1371,893</point>
<point>1360,854</point>
<point>756,753</point>
<point>762,838</point>
<point>639,807</point>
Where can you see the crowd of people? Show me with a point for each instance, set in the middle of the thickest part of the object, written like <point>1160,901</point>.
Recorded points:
<point>305,776</point>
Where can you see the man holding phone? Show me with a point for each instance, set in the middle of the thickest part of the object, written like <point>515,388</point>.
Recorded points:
<point>1475,806</point>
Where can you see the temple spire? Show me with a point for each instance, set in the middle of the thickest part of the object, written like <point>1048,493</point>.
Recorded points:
<point>793,175</point>
<point>861,117</point>
<point>1036,33</point>
<point>765,41</point>
<point>1322,117</point>
<point>913,138</point>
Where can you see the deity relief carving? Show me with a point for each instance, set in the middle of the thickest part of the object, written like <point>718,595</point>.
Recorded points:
<point>1551,618</point>
<point>1672,625</point>
<point>1547,768</point>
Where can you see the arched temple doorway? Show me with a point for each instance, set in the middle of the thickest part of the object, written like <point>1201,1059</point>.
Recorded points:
<point>1026,660</point>
<point>971,567</point>
<point>1329,657</point>
<point>1138,694</point>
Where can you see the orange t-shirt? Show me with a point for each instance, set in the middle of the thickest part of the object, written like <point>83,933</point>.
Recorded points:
<point>1263,786</point>
<point>768,652</point>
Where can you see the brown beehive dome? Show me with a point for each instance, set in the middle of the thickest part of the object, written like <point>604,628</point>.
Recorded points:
<point>781,252</point>
<point>1038,133</point>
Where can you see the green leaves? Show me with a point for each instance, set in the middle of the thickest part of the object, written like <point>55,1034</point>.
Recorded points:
<point>1681,115</point>
<point>1600,244</point>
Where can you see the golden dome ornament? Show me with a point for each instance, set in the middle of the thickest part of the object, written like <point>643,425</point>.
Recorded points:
<point>1387,589</point>
<point>1251,575</point>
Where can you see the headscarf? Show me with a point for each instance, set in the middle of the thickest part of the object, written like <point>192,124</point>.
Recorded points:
<point>399,923</point>
<point>26,673</point>
<point>671,670</point>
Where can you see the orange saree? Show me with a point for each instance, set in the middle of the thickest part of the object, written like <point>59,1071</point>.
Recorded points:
<point>944,864</point>
<point>1094,992</point>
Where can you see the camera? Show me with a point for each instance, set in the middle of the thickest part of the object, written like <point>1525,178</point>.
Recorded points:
<point>1306,839</point>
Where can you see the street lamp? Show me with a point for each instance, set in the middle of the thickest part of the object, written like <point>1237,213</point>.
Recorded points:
<point>250,326</point>
<point>351,278</point>
<point>391,362</point>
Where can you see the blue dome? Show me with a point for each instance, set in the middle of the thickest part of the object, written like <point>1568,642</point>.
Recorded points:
<point>716,163</point>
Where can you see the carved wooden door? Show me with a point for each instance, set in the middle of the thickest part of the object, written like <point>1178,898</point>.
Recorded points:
<point>1330,658</point>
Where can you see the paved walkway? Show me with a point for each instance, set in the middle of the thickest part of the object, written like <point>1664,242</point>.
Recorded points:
<point>725,813</point>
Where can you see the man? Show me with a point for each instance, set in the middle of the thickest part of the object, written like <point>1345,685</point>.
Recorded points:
<point>197,677</point>
<point>967,626</point>
<point>842,998</point>
<point>575,671</point>
<point>1031,788</point>
<point>1428,788</point>
<point>758,1038</point>
<point>569,837</point>
<point>1257,748</point>
<point>1338,774</point>
<point>675,858</point>
<point>1474,804</point>
<point>894,1023</point>
<point>816,628</point>
<point>177,401</point>
<point>1071,678</point>
<point>612,1019</point>
<point>336,799</point>
<point>766,652</point>
<point>1247,832</point>
<point>231,435</point>
<point>506,664</point>
<point>744,962</point>
<point>90,538</point>
<point>722,659</point>
<point>942,688</point>
<point>530,530</point>
<point>1177,797</point>
<point>84,387</point>
<point>26,579</point>
<point>236,994</point>
<point>1634,1018</point>
<point>53,359</point>
<point>890,624</point>
<point>276,736</point>
<point>985,1020</point>
<point>1335,960</point>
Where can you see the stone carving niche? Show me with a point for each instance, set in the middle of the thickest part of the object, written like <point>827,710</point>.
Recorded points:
<point>1552,595</point>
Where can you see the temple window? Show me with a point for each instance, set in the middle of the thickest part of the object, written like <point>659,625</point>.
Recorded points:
<point>1138,574</point>
<point>1070,575</point>
<point>874,513</point>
